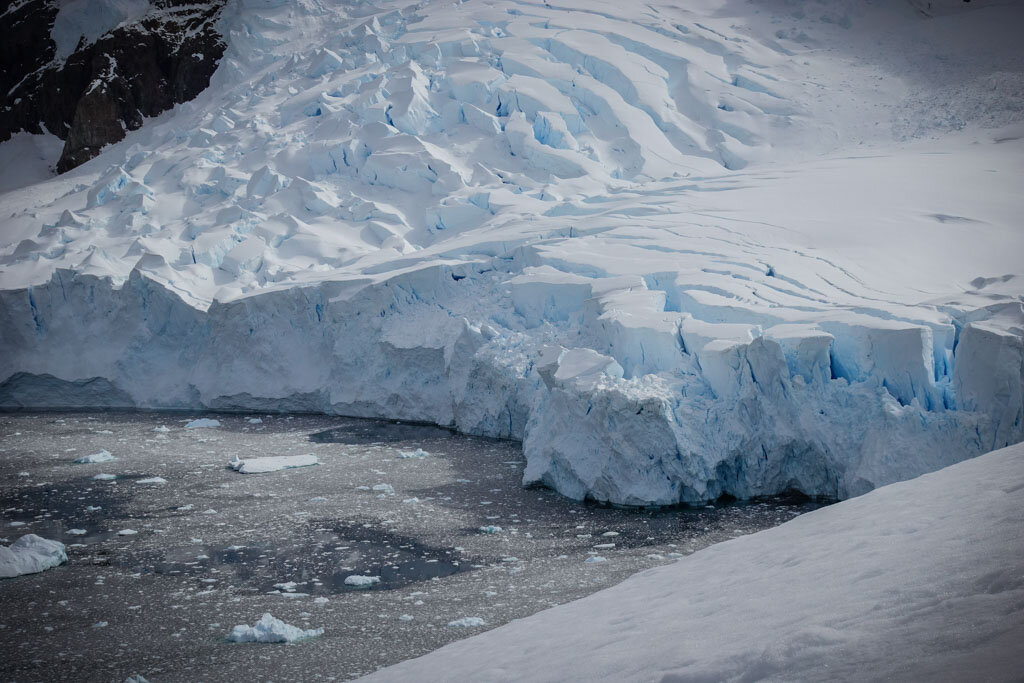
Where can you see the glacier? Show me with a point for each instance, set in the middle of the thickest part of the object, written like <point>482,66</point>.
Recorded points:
<point>679,254</point>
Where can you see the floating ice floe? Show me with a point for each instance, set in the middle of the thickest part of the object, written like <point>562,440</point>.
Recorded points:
<point>272,463</point>
<point>360,581</point>
<point>467,622</point>
<point>383,488</point>
<point>161,429</point>
<point>490,529</point>
<point>156,481</point>
<point>595,559</point>
<point>30,554</point>
<point>77,532</point>
<point>102,456</point>
<point>417,454</point>
<point>103,476</point>
<point>203,423</point>
<point>127,532</point>
<point>271,630</point>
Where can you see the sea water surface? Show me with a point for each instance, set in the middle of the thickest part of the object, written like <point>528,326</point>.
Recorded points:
<point>439,518</point>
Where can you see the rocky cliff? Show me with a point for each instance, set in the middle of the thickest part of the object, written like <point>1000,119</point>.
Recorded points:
<point>146,62</point>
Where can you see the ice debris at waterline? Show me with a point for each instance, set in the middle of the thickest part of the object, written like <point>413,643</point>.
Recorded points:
<point>671,259</point>
<point>417,454</point>
<point>271,630</point>
<point>272,463</point>
<point>102,456</point>
<point>30,554</point>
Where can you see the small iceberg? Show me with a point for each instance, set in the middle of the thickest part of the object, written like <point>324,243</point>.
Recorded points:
<point>30,554</point>
<point>272,463</point>
<point>360,581</point>
<point>102,456</point>
<point>271,630</point>
<point>203,423</point>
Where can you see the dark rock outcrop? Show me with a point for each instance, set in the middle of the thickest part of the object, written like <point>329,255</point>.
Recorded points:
<point>107,87</point>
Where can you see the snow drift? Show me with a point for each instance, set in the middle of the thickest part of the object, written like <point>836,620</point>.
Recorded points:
<point>919,580</point>
<point>679,253</point>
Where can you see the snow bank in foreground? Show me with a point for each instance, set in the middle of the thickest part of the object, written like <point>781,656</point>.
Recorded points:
<point>30,554</point>
<point>920,580</point>
<point>272,463</point>
<point>271,630</point>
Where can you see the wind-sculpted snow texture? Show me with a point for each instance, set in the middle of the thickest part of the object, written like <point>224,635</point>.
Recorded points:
<point>680,253</point>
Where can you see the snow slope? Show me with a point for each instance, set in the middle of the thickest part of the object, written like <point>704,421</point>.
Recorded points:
<point>679,252</point>
<point>919,580</point>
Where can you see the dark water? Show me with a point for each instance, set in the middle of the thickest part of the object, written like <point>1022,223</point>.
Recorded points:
<point>213,548</point>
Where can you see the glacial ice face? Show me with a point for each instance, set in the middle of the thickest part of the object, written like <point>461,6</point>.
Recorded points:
<point>745,414</point>
<point>529,222</point>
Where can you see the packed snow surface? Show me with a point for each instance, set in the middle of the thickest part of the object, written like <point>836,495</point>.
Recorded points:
<point>679,250</point>
<point>272,463</point>
<point>920,580</point>
<point>30,554</point>
<point>271,630</point>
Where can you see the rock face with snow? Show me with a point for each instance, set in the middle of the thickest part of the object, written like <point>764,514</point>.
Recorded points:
<point>30,554</point>
<point>643,243</point>
<point>87,71</point>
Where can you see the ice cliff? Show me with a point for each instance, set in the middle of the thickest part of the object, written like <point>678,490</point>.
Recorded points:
<point>666,249</point>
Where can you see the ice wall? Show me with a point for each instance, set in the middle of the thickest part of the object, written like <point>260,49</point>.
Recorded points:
<point>736,411</point>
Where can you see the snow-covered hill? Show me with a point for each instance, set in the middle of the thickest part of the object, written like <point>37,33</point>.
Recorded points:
<point>680,251</point>
<point>920,580</point>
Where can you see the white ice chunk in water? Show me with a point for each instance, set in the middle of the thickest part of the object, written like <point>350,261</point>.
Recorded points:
<point>161,429</point>
<point>203,423</point>
<point>360,581</point>
<point>30,554</point>
<point>272,463</point>
<point>384,488</point>
<point>419,453</point>
<point>152,480</point>
<point>490,529</point>
<point>467,622</point>
<point>103,476</point>
<point>270,630</point>
<point>102,456</point>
